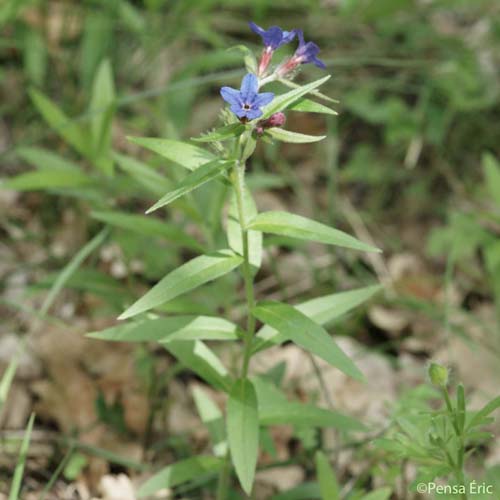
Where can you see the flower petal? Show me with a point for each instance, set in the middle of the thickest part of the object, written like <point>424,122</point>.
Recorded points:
<point>238,110</point>
<point>319,63</point>
<point>249,87</point>
<point>263,99</point>
<point>253,113</point>
<point>230,95</point>
<point>256,29</point>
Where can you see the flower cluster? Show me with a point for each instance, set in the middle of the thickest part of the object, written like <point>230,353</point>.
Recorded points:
<point>246,103</point>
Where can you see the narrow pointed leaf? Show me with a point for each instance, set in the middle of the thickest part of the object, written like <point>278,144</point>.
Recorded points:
<point>179,473</point>
<point>326,478</point>
<point>148,226</point>
<point>17,479</point>
<point>243,431</point>
<point>184,154</point>
<point>490,407</point>
<point>71,132</point>
<point>47,179</point>
<point>170,329</point>
<point>185,278</point>
<point>296,226</point>
<point>222,133</point>
<point>199,358</point>
<point>321,310</point>
<point>286,100</point>
<point>143,174</point>
<point>297,327</point>
<point>380,494</point>
<point>43,159</point>
<point>194,180</point>
<point>276,409</point>
<point>308,106</point>
<point>283,135</point>
<point>212,418</point>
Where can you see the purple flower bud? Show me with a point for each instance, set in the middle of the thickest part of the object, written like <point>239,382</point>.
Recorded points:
<point>275,120</point>
<point>306,53</point>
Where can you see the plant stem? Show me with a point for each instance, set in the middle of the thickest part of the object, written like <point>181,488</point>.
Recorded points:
<point>224,477</point>
<point>239,187</point>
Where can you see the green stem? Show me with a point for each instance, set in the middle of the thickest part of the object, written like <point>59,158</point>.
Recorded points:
<point>224,477</point>
<point>239,187</point>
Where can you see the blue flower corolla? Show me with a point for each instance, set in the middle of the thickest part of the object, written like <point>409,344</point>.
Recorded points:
<point>307,52</point>
<point>246,102</point>
<point>274,37</point>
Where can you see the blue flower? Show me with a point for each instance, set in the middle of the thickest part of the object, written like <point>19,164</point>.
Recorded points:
<point>274,37</point>
<point>307,52</point>
<point>246,102</point>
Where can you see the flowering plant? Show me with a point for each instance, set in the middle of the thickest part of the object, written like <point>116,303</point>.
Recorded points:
<point>254,402</point>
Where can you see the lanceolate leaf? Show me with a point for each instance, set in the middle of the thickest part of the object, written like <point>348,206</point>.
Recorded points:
<point>179,473</point>
<point>197,357</point>
<point>222,133</point>
<point>170,329</point>
<point>71,132</point>
<point>212,418</point>
<point>17,479</point>
<point>43,159</point>
<point>490,407</point>
<point>326,477</point>
<point>284,101</point>
<point>243,431</point>
<point>190,275</point>
<point>200,176</point>
<point>283,135</point>
<point>184,154</point>
<point>296,226</point>
<point>143,174</point>
<point>297,327</point>
<point>47,179</point>
<point>148,226</point>
<point>276,409</point>
<point>308,106</point>
<point>321,310</point>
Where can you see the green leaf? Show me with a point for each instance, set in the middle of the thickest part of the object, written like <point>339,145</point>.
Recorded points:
<point>101,110</point>
<point>222,133</point>
<point>326,477</point>
<point>249,57</point>
<point>296,226</point>
<point>148,226</point>
<point>234,236</point>
<point>47,179</point>
<point>308,106</point>
<point>179,473</point>
<point>15,486</point>
<point>292,137</point>
<point>143,174</point>
<point>7,378</point>
<point>243,431</point>
<point>185,278</point>
<point>305,491</point>
<point>380,494</point>
<point>491,169</point>
<point>184,154</point>
<point>44,159</point>
<point>460,407</point>
<point>490,407</point>
<point>275,409</point>
<point>70,131</point>
<point>297,327</point>
<point>212,418</point>
<point>196,356</point>
<point>321,310</point>
<point>71,267</point>
<point>316,93</point>
<point>169,329</point>
<point>286,100</point>
<point>203,174</point>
